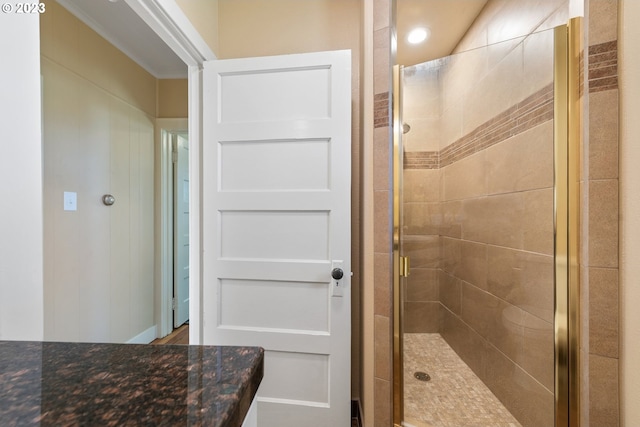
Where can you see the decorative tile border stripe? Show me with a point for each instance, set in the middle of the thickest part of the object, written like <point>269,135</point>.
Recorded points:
<point>421,160</point>
<point>381,105</point>
<point>532,111</point>
<point>603,66</point>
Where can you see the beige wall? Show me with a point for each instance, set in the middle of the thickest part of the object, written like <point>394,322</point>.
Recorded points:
<point>630,211</point>
<point>173,98</point>
<point>268,27</point>
<point>67,41</point>
<point>99,110</point>
<point>203,14</point>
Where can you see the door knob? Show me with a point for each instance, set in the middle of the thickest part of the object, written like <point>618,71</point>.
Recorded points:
<point>337,273</point>
<point>108,199</point>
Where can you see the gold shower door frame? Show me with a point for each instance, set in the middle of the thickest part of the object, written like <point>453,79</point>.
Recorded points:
<point>567,146</point>
<point>568,76</point>
<point>398,273</point>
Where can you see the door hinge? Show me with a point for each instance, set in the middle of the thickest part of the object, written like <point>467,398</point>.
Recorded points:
<point>405,267</point>
<point>173,303</point>
<point>174,156</point>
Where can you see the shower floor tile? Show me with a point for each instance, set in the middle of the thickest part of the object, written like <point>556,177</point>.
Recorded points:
<point>454,397</point>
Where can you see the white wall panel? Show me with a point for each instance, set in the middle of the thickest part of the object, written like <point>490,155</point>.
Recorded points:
<point>98,259</point>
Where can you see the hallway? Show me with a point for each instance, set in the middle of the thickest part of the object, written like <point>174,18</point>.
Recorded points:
<point>179,336</point>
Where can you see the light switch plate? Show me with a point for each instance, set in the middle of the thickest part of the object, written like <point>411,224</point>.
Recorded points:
<point>70,201</point>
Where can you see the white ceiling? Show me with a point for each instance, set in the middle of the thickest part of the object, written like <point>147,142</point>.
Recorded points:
<point>448,20</point>
<point>122,27</point>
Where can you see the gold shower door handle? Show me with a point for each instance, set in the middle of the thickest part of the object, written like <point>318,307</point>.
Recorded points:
<point>405,266</point>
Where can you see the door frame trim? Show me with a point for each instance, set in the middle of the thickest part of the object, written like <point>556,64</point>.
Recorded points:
<point>170,23</point>
<point>168,20</point>
<point>163,252</point>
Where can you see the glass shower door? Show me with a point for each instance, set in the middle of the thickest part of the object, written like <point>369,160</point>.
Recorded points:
<point>476,314</point>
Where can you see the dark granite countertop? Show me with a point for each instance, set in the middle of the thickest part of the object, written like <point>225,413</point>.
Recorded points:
<point>76,384</point>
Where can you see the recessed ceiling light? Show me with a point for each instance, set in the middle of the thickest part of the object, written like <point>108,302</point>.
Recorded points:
<point>418,35</point>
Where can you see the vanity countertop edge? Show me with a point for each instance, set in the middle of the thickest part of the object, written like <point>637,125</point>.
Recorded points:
<point>65,384</point>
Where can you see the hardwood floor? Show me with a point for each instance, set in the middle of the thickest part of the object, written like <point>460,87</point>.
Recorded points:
<point>178,336</point>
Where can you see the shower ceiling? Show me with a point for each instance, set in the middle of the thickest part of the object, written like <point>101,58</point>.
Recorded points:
<point>448,21</point>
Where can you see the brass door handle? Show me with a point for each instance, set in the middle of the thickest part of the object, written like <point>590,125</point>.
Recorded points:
<point>405,267</point>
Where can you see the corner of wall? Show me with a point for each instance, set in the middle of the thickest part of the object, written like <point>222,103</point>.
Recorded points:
<point>629,212</point>
<point>21,250</point>
<point>204,15</point>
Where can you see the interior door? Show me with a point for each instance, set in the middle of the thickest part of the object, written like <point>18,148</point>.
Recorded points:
<point>276,223</point>
<point>181,230</point>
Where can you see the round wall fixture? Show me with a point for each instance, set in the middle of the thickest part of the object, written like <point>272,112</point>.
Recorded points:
<point>108,199</point>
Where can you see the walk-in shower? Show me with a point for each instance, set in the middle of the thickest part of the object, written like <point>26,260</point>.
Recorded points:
<point>485,236</point>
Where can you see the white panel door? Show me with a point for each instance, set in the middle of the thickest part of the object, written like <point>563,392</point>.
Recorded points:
<point>276,222</point>
<point>181,231</point>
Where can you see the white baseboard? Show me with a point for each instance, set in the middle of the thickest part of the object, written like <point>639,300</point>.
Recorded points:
<point>144,337</point>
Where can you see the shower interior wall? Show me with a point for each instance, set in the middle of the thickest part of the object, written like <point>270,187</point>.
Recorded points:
<point>478,211</point>
<point>435,292</point>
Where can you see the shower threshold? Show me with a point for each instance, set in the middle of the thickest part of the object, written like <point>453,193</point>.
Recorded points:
<point>454,397</point>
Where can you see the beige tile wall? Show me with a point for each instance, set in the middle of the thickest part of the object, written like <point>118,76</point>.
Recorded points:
<point>480,85</point>
<point>382,60</point>
<point>421,108</point>
<point>421,242</point>
<point>515,277</point>
<point>479,230</point>
<point>500,271</point>
<point>600,216</point>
